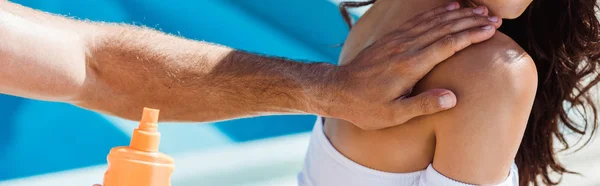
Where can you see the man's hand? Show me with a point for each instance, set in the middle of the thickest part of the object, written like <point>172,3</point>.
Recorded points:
<point>374,86</point>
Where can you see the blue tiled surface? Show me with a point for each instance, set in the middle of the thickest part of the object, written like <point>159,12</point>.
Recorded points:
<point>40,137</point>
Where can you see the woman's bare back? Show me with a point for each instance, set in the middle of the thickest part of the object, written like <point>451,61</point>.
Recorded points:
<point>413,140</point>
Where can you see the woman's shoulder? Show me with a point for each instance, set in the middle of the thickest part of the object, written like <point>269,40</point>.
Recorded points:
<point>495,83</point>
<point>498,56</point>
<point>499,60</point>
<point>494,72</point>
<point>500,50</point>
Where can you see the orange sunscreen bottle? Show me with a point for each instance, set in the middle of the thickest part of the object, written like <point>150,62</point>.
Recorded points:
<point>140,164</point>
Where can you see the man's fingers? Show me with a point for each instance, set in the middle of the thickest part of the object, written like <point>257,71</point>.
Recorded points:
<point>453,27</point>
<point>431,13</point>
<point>445,17</point>
<point>429,102</point>
<point>444,48</point>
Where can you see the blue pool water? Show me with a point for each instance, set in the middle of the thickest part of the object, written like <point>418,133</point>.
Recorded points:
<point>40,137</point>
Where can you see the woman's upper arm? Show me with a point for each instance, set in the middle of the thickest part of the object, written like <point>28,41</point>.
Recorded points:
<point>495,83</point>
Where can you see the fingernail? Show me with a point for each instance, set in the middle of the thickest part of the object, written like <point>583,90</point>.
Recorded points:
<point>479,10</point>
<point>446,101</point>
<point>451,6</point>
<point>493,19</point>
<point>487,27</point>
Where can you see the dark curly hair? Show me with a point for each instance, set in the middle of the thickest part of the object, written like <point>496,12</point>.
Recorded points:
<point>563,38</point>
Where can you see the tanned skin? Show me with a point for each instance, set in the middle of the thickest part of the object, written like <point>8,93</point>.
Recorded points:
<point>117,69</point>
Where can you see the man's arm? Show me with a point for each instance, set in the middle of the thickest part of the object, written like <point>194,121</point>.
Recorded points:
<point>130,67</point>
<point>118,69</point>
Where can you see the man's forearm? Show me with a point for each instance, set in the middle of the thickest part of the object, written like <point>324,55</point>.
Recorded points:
<point>118,69</point>
<point>130,67</point>
<point>42,55</point>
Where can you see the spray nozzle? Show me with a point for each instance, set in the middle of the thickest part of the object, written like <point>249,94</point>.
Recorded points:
<point>149,120</point>
<point>146,136</point>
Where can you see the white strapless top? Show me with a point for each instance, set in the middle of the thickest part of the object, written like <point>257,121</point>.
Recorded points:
<point>325,166</point>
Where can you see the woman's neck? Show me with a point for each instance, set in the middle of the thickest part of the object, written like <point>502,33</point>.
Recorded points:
<point>409,8</point>
<point>382,18</point>
<point>389,14</point>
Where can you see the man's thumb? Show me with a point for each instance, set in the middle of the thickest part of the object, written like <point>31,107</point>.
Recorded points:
<point>428,102</point>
